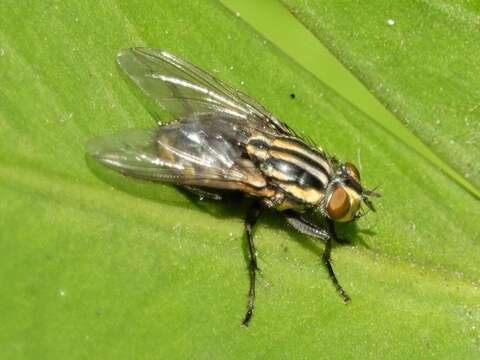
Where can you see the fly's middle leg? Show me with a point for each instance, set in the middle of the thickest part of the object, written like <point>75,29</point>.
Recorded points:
<point>252,216</point>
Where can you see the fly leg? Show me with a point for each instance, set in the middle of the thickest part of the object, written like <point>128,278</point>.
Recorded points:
<point>252,216</point>
<point>328,264</point>
<point>305,227</point>
<point>299,223</point>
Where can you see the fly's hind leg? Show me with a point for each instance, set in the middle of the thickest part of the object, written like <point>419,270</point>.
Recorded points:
<point>305,227</point>
<point>252,216</point>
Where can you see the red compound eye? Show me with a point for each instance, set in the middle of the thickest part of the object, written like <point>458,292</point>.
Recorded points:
<point>338,204</point>
<point>352,171</point>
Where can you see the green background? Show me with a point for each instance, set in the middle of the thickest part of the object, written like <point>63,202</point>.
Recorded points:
<point>95,265</point>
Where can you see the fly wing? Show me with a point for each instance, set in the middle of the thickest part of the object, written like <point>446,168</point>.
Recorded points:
<point>133,152</point>
<point>182,89</point>
<point>190,152</point>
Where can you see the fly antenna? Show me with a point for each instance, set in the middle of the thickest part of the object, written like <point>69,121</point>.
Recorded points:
<point>373,192</point>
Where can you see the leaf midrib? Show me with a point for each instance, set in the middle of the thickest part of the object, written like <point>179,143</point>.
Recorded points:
<point>369,105</point>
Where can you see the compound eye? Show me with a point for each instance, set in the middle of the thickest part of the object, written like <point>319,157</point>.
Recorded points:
<point>352,171</point>
<point>339,204</point>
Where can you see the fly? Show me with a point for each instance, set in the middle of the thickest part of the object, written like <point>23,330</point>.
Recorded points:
<point>224,141</point>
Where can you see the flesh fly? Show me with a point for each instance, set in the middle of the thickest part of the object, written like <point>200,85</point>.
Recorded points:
<point>224,141</point>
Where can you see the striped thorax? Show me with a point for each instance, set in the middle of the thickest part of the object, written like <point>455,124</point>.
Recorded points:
<point>305,177</point>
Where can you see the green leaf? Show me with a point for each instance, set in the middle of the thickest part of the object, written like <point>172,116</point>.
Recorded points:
<point>420,58</point>
<point>95,265</point>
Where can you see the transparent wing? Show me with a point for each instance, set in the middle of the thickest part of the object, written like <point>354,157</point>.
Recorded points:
<point>133,152</point>
<point>182,89</point>
<point>185,153</point>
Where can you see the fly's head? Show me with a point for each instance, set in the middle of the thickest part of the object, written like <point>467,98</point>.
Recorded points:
<point>344,195</point>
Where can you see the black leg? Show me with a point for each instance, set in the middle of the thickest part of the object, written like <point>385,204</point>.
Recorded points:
<point>328,264</point>
<point>307,228</point>
<point>252,216</point>
<point>304,226</point>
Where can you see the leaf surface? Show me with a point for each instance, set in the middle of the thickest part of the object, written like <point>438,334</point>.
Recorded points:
<point>100,266</point>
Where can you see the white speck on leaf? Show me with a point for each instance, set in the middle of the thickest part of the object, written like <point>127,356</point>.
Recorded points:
<point>391,22</point>
<point>66,117</point>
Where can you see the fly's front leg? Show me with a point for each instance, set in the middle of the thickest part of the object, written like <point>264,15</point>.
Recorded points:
<point>305,227</point>
<point>252,216</point>
<point>328,264</point>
